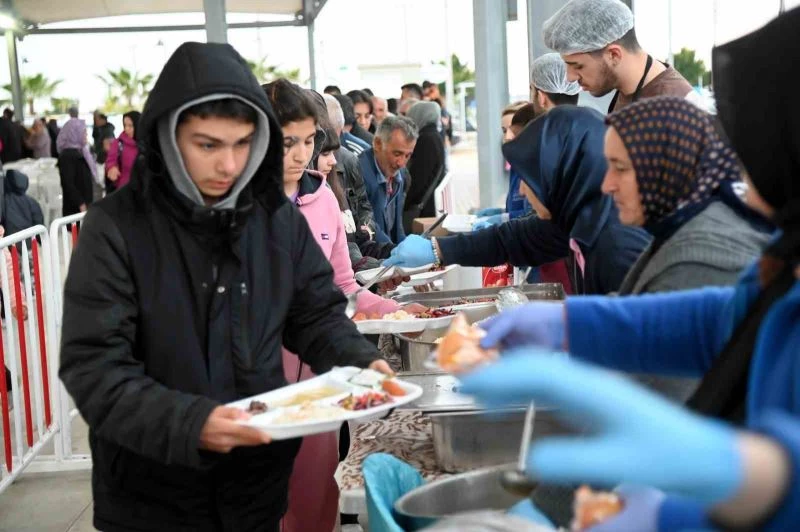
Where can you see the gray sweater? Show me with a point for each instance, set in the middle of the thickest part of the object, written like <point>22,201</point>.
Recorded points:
<point>712,249</point>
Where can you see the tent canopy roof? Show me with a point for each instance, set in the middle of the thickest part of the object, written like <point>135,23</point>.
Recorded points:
<point>48,11</point>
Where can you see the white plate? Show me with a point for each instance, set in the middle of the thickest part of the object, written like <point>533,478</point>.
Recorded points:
<point>459,223</point>
<point>402,326</point>
<point>338,378</point>
<point>419,275</point>
<point>365,276</point>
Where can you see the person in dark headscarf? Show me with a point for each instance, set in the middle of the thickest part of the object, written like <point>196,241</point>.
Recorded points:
<point>560,158</point>
<point>671,173</point>
<point>744,339</point>
<point>426,165</point>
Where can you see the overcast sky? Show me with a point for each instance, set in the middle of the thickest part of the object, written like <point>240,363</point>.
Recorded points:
<point>350,33</point>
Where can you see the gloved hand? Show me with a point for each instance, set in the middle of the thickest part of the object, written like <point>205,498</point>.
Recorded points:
<point>535,324</point>
<point>489,211</point>
<point>412,252</point>
<point>489,221</point>
<point>640,513</point>
<point>637,437</point>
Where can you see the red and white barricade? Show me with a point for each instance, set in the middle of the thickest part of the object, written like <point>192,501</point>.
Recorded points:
<point>31,263</point>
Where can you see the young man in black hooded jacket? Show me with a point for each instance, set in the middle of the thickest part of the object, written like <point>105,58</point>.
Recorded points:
<point>182,290</point>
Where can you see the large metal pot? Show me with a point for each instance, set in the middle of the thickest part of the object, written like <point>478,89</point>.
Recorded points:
<point>469,440</point>
<point>476,490</point>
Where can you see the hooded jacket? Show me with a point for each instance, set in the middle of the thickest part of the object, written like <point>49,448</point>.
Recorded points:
<point>20,211</point>
<point>560,157</point>
<point>172,308</point>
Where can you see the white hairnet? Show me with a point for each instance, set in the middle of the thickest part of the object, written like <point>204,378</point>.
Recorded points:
<point>587,25</point>
<point>549,74</point>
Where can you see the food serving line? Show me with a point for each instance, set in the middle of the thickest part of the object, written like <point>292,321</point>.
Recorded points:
<point>442,433</point>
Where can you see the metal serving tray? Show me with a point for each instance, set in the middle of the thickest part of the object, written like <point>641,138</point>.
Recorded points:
<point>539,291</point>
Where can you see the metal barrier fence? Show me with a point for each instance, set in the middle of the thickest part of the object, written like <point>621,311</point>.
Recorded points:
<point>31,266</point>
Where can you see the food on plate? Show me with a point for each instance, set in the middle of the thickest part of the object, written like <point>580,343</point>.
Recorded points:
<point>394,316</point>
<point>392,387</point>
<point>399,315</point>
<point>308,412</point>
<point>436,313</point>
<point>404,315</point>
<point>257,407</point>
<point>594,507</point>
<point>368,378</point>
<point>364,401</point>
<point>308,396</point>
<point>459,350</point>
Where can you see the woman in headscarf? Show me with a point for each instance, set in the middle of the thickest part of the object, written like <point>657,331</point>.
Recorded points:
<point>744,339</point>
<point>671,173</point>
<point>560,158</point>
<point>76,167</point>
<point>122,154</point>
<point>426,165</point>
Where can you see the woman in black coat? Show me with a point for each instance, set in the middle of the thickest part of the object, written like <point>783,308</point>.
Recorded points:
<point>426,165</point>
<point>76,182</point>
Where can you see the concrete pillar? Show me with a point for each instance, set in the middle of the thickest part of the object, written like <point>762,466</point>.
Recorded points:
<point>16,83</point>
<point>491,94</point>
<point>216,25</point>
<point>538,12</point>
<point>312,56</point>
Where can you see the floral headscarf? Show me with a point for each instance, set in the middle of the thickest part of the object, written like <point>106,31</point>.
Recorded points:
<point>680,160</point>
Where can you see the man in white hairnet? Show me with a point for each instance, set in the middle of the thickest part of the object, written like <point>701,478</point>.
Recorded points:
<point>598,43</point>
<point>549,84</point>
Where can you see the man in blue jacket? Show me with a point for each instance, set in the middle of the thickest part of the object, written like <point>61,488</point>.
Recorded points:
<point>383,167</point>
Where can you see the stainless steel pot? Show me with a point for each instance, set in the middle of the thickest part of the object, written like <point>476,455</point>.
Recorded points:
<point>470,440</point>
<point>476,490</point>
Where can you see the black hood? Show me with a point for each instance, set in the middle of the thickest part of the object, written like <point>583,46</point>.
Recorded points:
<point>195,71</point>
<point>16,182</point>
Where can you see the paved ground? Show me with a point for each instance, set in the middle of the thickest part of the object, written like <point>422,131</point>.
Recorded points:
<point>63,502</point>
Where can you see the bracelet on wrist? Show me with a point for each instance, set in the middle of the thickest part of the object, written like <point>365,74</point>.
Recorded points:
<point>437,257</point>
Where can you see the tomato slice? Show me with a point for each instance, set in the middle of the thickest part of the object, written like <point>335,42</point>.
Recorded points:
<point>392,388</point>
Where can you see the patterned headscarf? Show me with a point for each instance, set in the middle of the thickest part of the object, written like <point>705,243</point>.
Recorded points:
<point>680,160</point>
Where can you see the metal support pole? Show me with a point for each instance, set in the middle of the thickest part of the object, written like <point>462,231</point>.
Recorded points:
<point>312,56</point>
<point>16,83</point>
<point>216,24</point>
<point>491,94</point>
<point>538,12</point>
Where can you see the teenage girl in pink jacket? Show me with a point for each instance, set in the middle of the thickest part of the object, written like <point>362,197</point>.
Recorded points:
<point>313,493</point>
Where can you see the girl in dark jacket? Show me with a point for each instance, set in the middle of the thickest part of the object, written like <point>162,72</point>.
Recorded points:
<point>560,158</point>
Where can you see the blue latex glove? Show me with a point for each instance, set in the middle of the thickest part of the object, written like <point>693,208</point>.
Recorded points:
<point>489,221</point>
<point>536,324</point>
<point>412,252</point>
<point>528,511</point>
<point>637,437</point>
<point>640,513</point>
<point>489,211</point>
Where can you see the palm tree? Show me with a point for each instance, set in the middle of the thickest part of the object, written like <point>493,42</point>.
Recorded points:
<point>127,86</point>
<point>265,73</point>
<point>35,87</point>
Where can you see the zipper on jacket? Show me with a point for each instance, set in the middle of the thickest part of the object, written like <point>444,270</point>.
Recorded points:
<point>245,324</point>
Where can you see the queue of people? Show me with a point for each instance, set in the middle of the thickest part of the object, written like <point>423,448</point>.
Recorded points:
<point>244,194</point>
